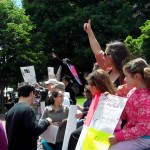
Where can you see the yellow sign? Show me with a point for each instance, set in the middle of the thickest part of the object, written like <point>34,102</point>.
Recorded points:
<point>96,140</point>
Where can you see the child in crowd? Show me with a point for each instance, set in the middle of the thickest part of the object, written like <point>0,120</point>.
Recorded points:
<point>135,135</point>
<point>85,107</point>
<point>98,82</point>
<point>88,96</point>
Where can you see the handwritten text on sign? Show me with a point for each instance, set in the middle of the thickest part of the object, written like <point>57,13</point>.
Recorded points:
<point>108,113</point>
<point>96,140</point>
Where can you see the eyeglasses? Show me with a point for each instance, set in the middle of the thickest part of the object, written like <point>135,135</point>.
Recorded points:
<point>60,95</point>
<point>106,54</point>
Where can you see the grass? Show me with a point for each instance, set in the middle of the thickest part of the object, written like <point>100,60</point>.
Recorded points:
<point>80,100</point>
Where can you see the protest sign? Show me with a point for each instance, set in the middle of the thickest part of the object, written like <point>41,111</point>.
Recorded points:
<point>50,134</point>
<point>71,125</point>
<point>104,120</point>
<point>96,140</point>
<point>28,74</point>
<point>51,74</point>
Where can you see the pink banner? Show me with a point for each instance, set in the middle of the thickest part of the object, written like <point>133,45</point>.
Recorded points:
<point>74,73</point>
<point>92,109</point>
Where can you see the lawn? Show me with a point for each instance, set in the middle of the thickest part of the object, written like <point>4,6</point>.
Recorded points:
<point>80,100</point>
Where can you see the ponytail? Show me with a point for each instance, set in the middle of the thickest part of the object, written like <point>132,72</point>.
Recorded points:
<point>147,77</point>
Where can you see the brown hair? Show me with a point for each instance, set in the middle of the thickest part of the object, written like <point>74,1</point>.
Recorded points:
<point>88,92</point>
<point>119,53</point>
<point>100,79</point>
<point>140,66</point>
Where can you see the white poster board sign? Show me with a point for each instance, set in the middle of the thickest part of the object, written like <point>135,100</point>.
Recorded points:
<point>106,116</point>
<point>50,134</point>
<point>42,106</point>
<point>71,125</point>
<point>108,113</point>
<point>28,74</point>
<point>50,72</point>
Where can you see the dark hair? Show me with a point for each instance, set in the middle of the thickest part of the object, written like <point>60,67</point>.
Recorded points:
<point>54,95</point>
<point>140,66</point>
<point>25,90</point>
<point>100,79</point>
<point>66,78</point>
<point>87,90</point>
<point>119,54</point>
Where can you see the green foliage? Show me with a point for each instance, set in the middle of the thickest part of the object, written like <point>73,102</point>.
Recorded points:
<point>140,46</point>
<point>61,24</point>
<point>15,42</point>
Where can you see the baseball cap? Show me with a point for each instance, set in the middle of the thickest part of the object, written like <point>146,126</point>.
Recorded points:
<point>60,85</point>
<point>51,81</point>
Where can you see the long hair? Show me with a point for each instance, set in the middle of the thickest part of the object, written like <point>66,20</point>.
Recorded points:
<point>100,79</point>
<point>140,66</point>
<point>119,53</point>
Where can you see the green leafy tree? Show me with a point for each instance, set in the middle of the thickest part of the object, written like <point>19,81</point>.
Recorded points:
<point>14,42</point>
<point>140,46</point>
<point>61,25</point>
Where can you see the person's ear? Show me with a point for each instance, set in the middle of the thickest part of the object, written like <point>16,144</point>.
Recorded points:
<point>137,76</point>
<point>31,94</point>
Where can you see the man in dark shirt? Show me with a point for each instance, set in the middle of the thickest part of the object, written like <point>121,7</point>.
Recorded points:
<point>21,126</point>
<point>69,88</point>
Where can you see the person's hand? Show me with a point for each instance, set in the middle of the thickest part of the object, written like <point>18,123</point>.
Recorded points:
<point>53,55</point>
<point>56,123</point>
<point>112,139</point>
<point>106,93</point>
<point>87,26</point>
<point>78,116</point>
<point>62,122</point>
<point>49,120</point>
<point>79,107</point>
<point>123,90</point>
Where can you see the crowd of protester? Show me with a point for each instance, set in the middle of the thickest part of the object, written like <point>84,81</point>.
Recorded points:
<point>115,72</point>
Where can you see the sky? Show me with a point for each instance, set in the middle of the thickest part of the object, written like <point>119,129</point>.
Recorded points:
<point>18,2</point>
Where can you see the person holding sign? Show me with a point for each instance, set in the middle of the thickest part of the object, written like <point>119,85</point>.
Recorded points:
<point>135,135</point>
<point>98,82</point>
<point>59,114</point>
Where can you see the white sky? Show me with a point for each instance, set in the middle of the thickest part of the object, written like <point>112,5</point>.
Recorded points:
<point>18,3</point>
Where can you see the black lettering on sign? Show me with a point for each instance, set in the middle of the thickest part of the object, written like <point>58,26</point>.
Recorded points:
<point>26,71</point>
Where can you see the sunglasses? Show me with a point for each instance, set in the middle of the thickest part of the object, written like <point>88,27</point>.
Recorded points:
<point>107,54</point>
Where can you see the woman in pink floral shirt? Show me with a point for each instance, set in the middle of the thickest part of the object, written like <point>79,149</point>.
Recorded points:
<point>135,135</point>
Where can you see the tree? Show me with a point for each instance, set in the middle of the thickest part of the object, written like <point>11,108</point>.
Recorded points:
<point>140,46</point>
<point>61,23</point>
<point>15,41</point>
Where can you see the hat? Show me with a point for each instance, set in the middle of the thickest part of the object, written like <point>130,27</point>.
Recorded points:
<point>60,85</point>
<point>66,77</point>
<point>51,81</point>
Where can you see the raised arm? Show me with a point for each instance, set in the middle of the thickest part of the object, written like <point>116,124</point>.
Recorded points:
<point>95,46</point>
